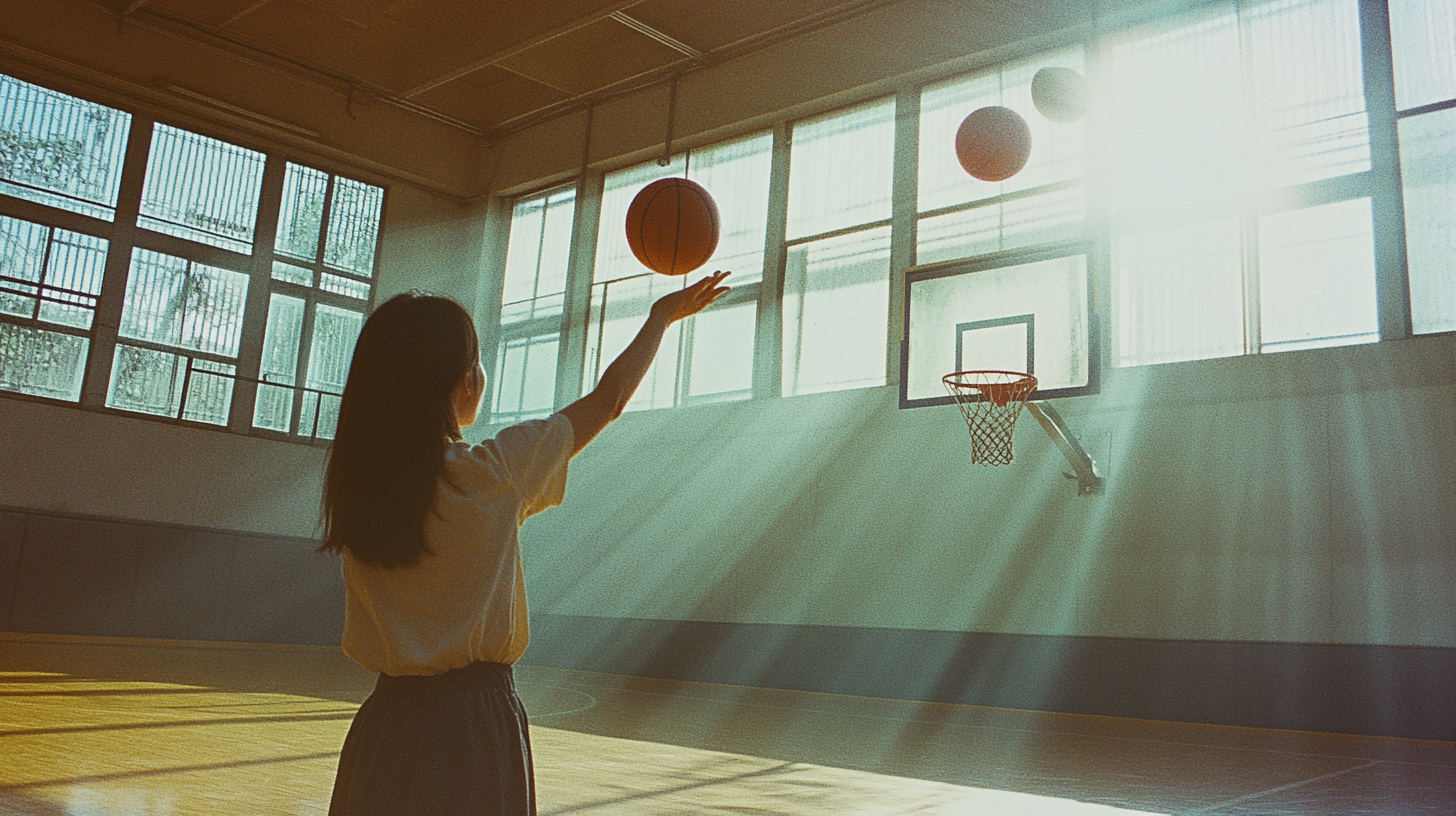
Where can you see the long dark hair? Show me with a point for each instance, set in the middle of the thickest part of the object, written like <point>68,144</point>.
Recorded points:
<point>395,421</point>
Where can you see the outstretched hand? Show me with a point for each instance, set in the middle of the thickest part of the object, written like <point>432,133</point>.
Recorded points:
<point>693,299</point>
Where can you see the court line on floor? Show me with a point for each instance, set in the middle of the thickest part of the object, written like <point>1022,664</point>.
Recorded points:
<point>589,705</point>
<point>1261,794</point>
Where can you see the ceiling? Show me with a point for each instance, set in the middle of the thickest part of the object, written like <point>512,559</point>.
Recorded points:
<point>491,66</point>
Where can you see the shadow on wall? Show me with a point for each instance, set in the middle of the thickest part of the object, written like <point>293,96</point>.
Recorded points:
<point>76,576</point>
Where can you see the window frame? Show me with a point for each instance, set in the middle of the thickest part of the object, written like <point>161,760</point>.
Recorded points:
<point>124,234</point>
<point>1380,183</point>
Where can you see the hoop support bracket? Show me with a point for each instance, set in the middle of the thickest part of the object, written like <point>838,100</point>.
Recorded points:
<point>1089,482</point>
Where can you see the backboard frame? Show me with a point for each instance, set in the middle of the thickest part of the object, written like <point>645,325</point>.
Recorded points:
<point>1001,260</point>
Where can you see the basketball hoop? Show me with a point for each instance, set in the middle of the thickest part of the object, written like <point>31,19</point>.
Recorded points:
<point>990,401</point>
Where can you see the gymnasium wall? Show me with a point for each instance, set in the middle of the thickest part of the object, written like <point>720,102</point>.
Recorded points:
<point>1302,497</point>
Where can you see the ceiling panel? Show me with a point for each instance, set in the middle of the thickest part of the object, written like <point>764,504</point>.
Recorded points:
<point>489,97</point>
<point>592,57</point>
<point>294,28</point>
<point>707,26</point>
<point>205,12</point>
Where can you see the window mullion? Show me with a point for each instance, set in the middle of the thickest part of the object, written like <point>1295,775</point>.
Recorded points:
<point>300,381</point>
<point>768,340</point>
<point>904,201</point>
<point>571,360</point>
<point>107,321</point>
<point>490,291</point>
<point>1392,289</point>
<point>255,313</point>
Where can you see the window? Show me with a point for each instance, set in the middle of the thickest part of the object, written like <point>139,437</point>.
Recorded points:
<point>837,269</point>
<point>60,151</point>
<point>201,189</point>
<point>961,217</point>
<point>1224,126</point>
<point>183,346</point>
<point>321,280</point>
<point>50,280</point>
<point>1425,91</point>
<point>532,305</point>
<point>709,357</point>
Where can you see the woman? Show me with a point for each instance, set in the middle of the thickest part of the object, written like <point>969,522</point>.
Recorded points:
<point>427,526</point>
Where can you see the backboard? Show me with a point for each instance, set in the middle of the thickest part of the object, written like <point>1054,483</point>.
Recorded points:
<point>1022,311</point>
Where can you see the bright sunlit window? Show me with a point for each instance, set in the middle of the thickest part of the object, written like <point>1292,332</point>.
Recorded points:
<point>1240,107</point>
<point>1422,33</point>
<point>962,217</point>
<point>534,296</point>
<point>709,357</point>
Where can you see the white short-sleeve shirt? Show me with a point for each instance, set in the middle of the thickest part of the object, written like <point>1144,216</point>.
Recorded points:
<point>467,601</point>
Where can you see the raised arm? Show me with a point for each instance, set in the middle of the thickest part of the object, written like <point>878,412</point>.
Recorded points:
<point>590,414</point>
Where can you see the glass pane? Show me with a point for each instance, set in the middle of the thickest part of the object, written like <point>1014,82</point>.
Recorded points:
<point>1421,34</point>
<point>354,226</point>
<point>1058,149</point>
<point>719,352</point>
<point>1200,114</point>
<point>1179,293</point>
<point>840,169</point>
<point>338,284</point>
<point>525,377</point>
<point>146,380</point>
<point>1428,175</point>
<point>179,303</point>
<point>42,363</point>
<point>537,256</point>
<point>330,353</point>
<point>292,274</point>
<point>614,257</point>
<point>273,408</point>
<point>1174,115</point>
<point>1317,277</point>
<point>301,214</point>
<point>209,393</point>
<point>201,189</point>
<point>22,265</point>
<point>836,306</point>
<point>1020,222</point>
<point>618,310</point>
<point>151,382</point>
<point>59,150</point>
<point>736,174</point>
<point>1305,71</point>
<point>73,278</point>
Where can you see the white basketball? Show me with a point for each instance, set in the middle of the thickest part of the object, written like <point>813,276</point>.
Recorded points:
<point>1060,94</point>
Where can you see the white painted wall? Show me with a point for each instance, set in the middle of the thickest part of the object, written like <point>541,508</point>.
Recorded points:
<point>1307,496</point>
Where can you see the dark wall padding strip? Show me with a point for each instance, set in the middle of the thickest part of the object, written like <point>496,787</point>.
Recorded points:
<point>87,576</point>
<point>1379,690</point>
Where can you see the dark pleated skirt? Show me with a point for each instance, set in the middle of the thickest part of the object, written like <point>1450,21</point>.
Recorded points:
<point>452,743</point>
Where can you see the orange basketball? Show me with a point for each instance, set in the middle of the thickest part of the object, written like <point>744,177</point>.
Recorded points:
<point>993,143</point>
<point>672,226</point>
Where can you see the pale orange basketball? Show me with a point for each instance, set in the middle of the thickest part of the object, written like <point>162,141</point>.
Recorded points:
<point>993,143</point>
<point>672,226</point>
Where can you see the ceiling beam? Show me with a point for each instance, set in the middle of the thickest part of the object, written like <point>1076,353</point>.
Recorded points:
<point>244,12</point>
<point>647,30</point>
<point>518,47</point>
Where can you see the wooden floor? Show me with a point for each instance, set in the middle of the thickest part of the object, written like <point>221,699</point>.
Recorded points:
<point>101,728</point>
